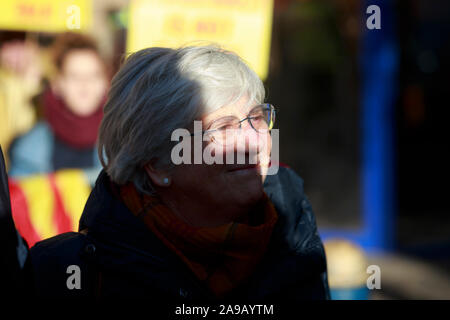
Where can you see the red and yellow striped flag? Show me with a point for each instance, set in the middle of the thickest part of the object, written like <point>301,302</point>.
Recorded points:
<point>46,205</point>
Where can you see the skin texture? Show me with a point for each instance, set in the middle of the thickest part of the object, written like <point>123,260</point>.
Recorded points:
<point>210,195</point>
<point>82,82</point>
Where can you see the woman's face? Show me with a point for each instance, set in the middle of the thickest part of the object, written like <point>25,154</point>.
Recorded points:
<point>227,185</point>
<point>82,82</point>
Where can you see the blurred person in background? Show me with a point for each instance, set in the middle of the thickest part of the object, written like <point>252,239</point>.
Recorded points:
<point>72,110</point>
<point>20,81</point>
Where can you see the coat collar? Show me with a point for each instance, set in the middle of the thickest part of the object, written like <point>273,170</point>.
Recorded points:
<point>108,218</point>
<point>295,250</point>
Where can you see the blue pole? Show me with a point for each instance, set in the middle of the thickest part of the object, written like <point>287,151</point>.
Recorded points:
<point>379,64</point>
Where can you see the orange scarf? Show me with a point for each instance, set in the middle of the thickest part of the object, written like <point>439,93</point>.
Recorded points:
<point>221,257</point>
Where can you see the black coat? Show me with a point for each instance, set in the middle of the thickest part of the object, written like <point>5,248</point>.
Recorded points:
<point>118,256</point>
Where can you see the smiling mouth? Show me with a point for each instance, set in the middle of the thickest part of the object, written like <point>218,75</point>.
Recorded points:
<point>245,167</point>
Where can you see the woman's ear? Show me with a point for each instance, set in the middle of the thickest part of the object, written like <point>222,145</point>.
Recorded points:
<point>159,178</point>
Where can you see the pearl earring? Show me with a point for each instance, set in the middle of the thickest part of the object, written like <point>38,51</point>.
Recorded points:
<point>166,180</point>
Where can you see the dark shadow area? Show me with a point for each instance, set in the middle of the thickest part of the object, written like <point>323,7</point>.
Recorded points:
<point>313,83</point>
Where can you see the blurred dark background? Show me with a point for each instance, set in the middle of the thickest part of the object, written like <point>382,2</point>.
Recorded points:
<point>422,119</point>
<point>315,81</point>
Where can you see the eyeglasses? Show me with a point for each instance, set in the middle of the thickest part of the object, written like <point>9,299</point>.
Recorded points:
<point>224,130</point>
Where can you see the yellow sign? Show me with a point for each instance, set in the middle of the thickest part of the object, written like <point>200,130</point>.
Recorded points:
<point>45,15</point>
<point>243,26</point>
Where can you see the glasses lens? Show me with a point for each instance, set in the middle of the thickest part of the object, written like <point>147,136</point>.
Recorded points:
<point>224,137</point>
<point>224,131</point>
<point>262,117</point>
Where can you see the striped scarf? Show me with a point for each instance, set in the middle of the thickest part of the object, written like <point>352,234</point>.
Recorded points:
<point>221,257</point>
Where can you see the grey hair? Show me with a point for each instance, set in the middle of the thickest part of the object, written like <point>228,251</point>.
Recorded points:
<point>158,90</point>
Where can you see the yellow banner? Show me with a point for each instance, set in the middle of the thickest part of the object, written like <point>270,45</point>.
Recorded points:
<point>243,26</point>
<point>46,15</point>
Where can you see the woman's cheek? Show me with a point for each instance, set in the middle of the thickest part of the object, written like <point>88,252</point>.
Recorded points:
<point>264,156</point>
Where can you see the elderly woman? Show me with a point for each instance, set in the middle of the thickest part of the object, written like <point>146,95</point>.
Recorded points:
<point>189,231</point>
